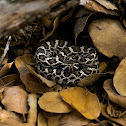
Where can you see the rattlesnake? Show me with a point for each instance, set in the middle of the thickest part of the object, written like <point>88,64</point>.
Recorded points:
<point>58,60</point>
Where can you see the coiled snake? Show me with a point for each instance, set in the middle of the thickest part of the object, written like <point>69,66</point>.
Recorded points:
<point>58,60</point>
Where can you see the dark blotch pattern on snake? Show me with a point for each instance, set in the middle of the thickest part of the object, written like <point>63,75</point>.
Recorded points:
<point>58,60</point>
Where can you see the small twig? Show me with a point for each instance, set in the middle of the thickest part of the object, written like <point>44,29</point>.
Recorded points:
<point>100,122</point>
<point>5,50</point>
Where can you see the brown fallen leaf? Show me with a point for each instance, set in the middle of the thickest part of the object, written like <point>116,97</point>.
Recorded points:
<point>109,37</point>
<point>28,59</point>
<point>46,21</point>
<point>5,69</point>
<point>121,120</point>
<point>33,84</point>
<point>55,25</point>
<point>8,80</point>
<point>60,18</point>
<point>32,114</point>
<point>15,99</point>
<point>81,18</point>
<point>107,4</point>
<point>113,95</point>
<point>114,111</point>
<point>79,26</point>
<point>99,6</point>
<point>103,66</point>
<point>49,83</point>
<point>52,102</point>
<point>54,120</point>
<point>83,101</point>
<point>119,79</point>
<point>4,114</point>
<point>41,120</point>
<point>89,80</point>
<point>12,122</point>
<point>73,119</point>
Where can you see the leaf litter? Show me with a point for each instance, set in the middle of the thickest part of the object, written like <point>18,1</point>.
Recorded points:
<point>28,98</point>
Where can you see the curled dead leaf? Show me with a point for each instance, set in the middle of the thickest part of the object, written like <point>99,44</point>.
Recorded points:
<point>120,121</point>
<point>113,95</point>
<point>15,99</point>
<point>52,102</point>
<point>107,4</point>
<point>109,37</point>
<point>49,83</point>
<point>8,80</point>
<point>5,69</point>
<point>33,84</point>
<point>89,80</point>
<point>119,80</point>
<point>80,24</point>
<point>83,101</point>
<point>101,6</point>
<point>114,111</point>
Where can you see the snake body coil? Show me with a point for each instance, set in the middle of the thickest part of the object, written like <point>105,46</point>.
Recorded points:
<point>58,60</point>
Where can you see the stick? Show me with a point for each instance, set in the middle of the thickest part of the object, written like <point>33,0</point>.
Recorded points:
<point>5,50</point>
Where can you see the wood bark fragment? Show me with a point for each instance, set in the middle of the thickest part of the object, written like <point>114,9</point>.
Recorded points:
<point>16,14</point>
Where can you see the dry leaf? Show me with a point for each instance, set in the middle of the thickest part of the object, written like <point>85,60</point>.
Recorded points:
<point>113,95</point>
<point>52,102</point>
<point>9,115</point>
<point>5,69</point>
<point>82,100</point>
<point>89,80</point>
<point>54,120</point>
<point>114,111</point>
<point>8,80</point>
<point>49,83</point>
<point>33,84</point>
<point>109,37</point>
<point>55,25</point>
<point>15,99</point>
<point>12,122</point>
<point>32,114</point>
<point>46,21</point>
<point>119,80</point>
<point>28,59</point>
<point>41,120</point>
<point>107,4</point>
<point>60,18</point>
<point>79,26</point>
<point>73,119</point>
<point>94,6</point>
<point>103,66</point>
<point>121,120</point>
